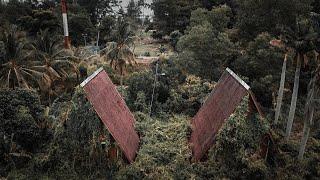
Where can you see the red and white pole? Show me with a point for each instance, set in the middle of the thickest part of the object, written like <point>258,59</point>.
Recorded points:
<point>65,24</point>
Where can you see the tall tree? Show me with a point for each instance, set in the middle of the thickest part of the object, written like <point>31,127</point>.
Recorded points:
<point>279,44</point>
<point>98,9</point>
<point>205,49</point>
<point>313,97</point>
<point>133,10</point>
<point>50,68</point>
<point>119,52</point>
<point>310,107</point>
<point>172,15</point>
<point>255,17</point>
<point>39,20</point>
<point>301,41</point>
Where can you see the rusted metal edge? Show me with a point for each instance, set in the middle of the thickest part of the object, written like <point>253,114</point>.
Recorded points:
<point>256,104</point>
<point>91,77</point>
<point>234,75</point>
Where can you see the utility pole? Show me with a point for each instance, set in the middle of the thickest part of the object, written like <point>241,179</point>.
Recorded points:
<point>65,24</point>
<point>85,39</point>
<point>154,85</point>
<point>98,38</point>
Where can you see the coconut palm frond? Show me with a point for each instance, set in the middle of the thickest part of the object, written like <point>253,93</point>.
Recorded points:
<point>53,73</point>
<point>8,78</point>
<point>21,80</point>
<point>2,81</point>
<point>43,67</point>
<point>33,73</point>
<point>16,56</point>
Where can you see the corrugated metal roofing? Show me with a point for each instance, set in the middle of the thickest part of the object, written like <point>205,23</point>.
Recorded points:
<point>113,111</point>
<point>220,104</point>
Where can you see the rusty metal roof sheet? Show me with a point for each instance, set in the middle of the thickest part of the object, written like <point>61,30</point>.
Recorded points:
<point>220,104</point>
<point>112,110</point>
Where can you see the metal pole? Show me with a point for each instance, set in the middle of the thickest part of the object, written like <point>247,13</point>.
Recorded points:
<point>65,24</point>
<point>85,39</point>
<point>98,38</point>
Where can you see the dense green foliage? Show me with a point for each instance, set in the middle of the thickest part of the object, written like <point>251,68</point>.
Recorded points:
<point>204,50</point>
<point>59,136</point>
<point>76,148</point>
<point>174,92</point>
<point>164,152</point>
<point>23,128</point>
<point>172,15</point>
<point>261,64</point>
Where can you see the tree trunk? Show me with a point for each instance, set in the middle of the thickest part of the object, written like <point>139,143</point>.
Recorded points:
<point>308,118</point>
<point>306,131</point>
<point>281,88</point>
<point>121,80</point>
<point>294,97</point>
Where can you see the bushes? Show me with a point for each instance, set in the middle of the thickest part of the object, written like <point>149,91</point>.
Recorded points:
<point>21,118</point>
<point>77,149</point>
<point>22,128</point>
<point>205,52</point>
<point>262,65</point>
<point>174,38</point>
<point>189,96</point>
<point>157,35</point>
<point>236,147</point>
<point>174,93</point>
<point>165,154</point>
<point>141,83</point>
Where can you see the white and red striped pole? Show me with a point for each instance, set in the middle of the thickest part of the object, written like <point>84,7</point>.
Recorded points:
<point>65,24</point>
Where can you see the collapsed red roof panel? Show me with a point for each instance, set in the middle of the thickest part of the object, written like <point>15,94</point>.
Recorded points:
<point>220,104</point>
<point>113,112</point>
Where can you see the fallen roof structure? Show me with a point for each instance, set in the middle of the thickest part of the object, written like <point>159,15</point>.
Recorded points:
<point>220,104</point>
<point>113,111</point>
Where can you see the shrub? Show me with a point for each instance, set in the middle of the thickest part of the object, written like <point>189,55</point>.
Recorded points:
<point>262,65</point>
<point>157,35</point>
<point>174,38</point>
<point>80,144</point>
<point>143,82</point>
<point>22,128</point>
<point>189,96</point>
<point>165,154</point>
<point>237,144</point>
<point>147,54</point>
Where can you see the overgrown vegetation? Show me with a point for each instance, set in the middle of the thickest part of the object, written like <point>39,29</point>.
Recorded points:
<point>49,130</point>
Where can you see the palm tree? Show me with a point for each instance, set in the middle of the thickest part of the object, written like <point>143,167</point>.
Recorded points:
<point>300,40</point>
<point>313,89</point>
<point>14,70</point>
<point>54,68</point>
<point>313,92</point>
<point>119,52</point>
<point>279,44</point>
